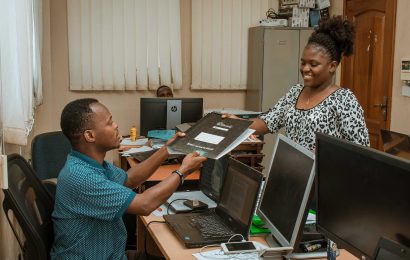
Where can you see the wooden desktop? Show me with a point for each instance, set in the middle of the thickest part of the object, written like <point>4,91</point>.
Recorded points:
<point>161,241</point>
<point>191,182</point>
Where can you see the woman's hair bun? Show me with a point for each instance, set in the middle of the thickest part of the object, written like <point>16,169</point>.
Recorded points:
<point>336,34</point>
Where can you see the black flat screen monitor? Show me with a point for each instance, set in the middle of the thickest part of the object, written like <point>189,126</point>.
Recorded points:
<point>363,194</point>
<point>166,113</point>
<point>287,192</point>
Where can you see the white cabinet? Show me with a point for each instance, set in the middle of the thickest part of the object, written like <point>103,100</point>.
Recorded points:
<point>273,67</point>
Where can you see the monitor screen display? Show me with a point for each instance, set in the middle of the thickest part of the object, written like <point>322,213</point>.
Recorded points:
<point>284,201</point>
<point>363,194</point>
<point>166,113</point>
<point>238,196</point>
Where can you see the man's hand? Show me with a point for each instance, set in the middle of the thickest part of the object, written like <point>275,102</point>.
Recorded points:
<point>191,163</point>
<point>178,134</point>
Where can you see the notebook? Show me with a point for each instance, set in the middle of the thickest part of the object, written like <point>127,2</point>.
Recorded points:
<point>232,215</point>
<point>210,184</point>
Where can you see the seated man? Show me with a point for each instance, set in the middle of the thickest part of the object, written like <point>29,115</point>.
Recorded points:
<point>164,91</point>
<point>92,194</point>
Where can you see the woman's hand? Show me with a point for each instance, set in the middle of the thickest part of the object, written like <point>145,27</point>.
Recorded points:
<point>230,116</point>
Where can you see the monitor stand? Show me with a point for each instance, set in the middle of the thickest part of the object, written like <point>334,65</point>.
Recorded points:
<point>174,109</point>
<point>308,235</point>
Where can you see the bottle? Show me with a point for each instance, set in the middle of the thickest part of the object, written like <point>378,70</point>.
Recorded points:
<point>133,134</point>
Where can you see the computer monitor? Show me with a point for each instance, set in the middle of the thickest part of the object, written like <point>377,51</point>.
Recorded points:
<point>167,113</point>
<point>363,194</point>
<point>286,196</point>
<point>212,176</point>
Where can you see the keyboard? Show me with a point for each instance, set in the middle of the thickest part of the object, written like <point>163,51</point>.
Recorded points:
<point>211,226</point>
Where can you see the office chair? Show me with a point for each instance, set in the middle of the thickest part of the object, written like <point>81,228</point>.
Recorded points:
<point>32,205</point>
<point>48,154</point>
<point>394,142</point>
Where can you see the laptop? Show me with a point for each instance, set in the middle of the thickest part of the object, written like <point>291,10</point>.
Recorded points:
<point>232,215</point>
<point>210,185</point>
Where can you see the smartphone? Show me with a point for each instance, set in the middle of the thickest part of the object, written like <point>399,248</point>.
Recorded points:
<point>238,247</point>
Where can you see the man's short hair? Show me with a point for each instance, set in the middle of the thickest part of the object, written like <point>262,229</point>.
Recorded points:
<point>76,118</point>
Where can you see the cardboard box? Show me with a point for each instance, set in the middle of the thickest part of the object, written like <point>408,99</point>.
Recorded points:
<point>299,22</point>
<point>295,11</point>
<point>321,4</point>
<point>299,3</point>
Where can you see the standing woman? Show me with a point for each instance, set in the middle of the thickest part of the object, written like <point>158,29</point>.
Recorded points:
<point>319,105</point>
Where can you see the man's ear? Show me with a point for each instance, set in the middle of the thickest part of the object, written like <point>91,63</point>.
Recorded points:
<point>89,136</point>
<point>333,66</point>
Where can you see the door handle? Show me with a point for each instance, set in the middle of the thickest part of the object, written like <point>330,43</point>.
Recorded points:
<point>383,107</point>
<point>380,105</point>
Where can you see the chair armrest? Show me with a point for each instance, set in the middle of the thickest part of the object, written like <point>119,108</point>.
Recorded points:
<point>50,181</point>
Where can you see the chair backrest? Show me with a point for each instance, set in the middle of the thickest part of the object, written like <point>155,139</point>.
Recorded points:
<point>394,141</point>
<point>49,153</point>
<point>32,206</point>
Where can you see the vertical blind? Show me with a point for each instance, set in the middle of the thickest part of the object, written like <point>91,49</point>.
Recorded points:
<point>220,41</point>
<point>124,44</point>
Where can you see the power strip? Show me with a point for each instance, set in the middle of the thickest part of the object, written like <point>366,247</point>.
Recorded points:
<point>274,22</point>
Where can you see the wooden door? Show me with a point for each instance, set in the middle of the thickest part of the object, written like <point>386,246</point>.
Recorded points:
<point>369,71</point>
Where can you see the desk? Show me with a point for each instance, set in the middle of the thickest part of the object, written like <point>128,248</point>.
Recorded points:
<point>163,242</point>
<point>163,171</point>
<point>191,182</point>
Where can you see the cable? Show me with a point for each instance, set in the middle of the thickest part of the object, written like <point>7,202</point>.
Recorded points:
<point>213,245</point>
<point>243,239</point>
<point>169,205</point>
<point>146,234</point>
<point>271,13</point>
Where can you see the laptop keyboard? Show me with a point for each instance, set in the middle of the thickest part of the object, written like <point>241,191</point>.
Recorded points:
<point>210,226</point>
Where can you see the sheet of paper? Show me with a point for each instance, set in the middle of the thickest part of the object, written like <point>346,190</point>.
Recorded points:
<point>209,138</point>
<point>237,142</point>
<point>137,150</point>
<point>127,141</point>
<point>219,254</point>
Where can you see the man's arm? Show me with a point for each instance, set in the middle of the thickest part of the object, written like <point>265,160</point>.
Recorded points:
<point>146,202</point>
<point>142,171</point>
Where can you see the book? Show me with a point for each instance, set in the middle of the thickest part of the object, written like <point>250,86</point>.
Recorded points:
<point>213,136</point>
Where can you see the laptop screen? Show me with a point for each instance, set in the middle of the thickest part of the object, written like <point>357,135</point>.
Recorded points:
<point>239,192</point>
<point>212,177</point>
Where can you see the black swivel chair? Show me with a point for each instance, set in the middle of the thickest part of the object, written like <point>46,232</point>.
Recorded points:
<point>32,206</point>
<point>48,154</point>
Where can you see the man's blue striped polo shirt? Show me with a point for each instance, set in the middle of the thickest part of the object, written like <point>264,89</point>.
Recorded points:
<point>89,204</point>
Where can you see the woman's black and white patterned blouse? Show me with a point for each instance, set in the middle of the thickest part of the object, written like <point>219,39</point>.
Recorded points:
<point>339,115</point>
